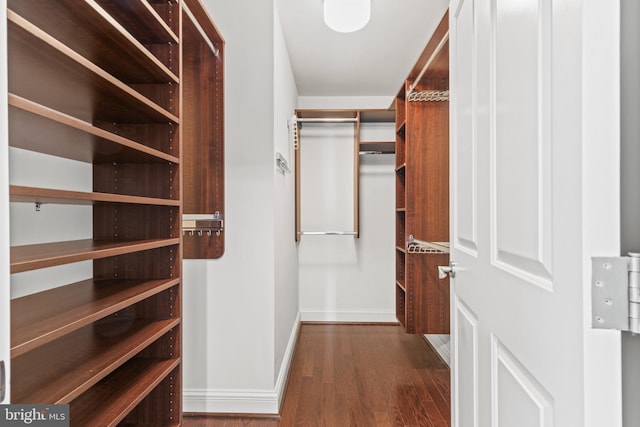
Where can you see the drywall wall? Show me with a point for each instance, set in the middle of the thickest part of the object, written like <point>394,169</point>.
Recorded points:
<point>286,298</point>
<point>235,343</point>
<point>343,278</point>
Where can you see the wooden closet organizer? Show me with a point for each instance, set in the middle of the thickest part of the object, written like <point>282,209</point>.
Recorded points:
<point>358,117</point>
<point>422,190</point>
<point>99,81</point>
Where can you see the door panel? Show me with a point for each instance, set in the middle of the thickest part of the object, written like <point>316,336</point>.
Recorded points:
<point>525,217</point>
<point>465,370</point>
<point>464,195</point>
<point>530,404</point>
<point>521,141</point>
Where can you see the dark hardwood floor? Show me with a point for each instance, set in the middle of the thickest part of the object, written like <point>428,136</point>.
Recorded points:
<point>357,375</point>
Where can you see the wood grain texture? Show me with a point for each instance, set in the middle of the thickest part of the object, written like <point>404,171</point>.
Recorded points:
<point>422,190</point>
<point>31,257</point>
<point>356,375</point>
<point>203,130</point>
<point>42,317</point>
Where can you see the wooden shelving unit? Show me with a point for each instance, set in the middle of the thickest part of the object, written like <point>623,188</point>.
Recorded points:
<point>360,118</point>
<point>422,189</point>
<point>99,81</point>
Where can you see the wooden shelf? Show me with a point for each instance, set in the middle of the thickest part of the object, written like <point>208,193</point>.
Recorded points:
<point>38,128</point>
<point>385,147</point>
<point>62,370</point>
<point>32,257</point>
<point>49,73</point>
<point>141,20</point>
<point>102,82</point>
<point>105,42</point>
<point>66,197</point>
<point>105,405</point>
<point>43,317</point>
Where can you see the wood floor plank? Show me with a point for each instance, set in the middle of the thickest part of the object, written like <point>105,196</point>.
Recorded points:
<point>357,375</point>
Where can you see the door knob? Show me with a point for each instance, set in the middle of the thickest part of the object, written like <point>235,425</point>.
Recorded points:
<point>450,269</point>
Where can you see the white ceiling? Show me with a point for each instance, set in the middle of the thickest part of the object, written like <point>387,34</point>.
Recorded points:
<point>371,62</point>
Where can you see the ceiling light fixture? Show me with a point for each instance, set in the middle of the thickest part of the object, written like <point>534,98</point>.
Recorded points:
<point>347,16</point>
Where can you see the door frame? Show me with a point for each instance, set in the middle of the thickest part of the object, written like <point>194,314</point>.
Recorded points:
<point>600,124</point>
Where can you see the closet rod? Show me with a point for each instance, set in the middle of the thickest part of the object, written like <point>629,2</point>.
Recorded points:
<point>327,233</point>
<point>435,53</point>
<point>205,37</point>
<point>326,119</point>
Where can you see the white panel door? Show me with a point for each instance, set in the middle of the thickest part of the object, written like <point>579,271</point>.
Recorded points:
<point>4,212</point>
<point>534,180</point>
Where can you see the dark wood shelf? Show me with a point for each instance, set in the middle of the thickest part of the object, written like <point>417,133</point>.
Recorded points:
<point>401,168</point>
<point>105,42</point>
<point>141,20</point>
<point>62,370</point>
<point>102,82</point>
<point>66,197</point>
<point>45,316</point>
<point>400,128</point>
<point>39,128</point>
<point>105,405</point>
<point>385,147</point>
<point>32,257</point>
<point>49,73</point>
<point>401,286</point>
<point>377,116</point>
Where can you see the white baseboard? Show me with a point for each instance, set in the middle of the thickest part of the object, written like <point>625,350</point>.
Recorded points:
<point>244,401</point>
<point>442,344</point>
<point>349,316</point>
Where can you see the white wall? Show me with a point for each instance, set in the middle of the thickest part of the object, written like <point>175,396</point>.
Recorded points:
<point>343,278</point>
<point>4,207</point>
<point>235,342</point>
<point>286,256</point>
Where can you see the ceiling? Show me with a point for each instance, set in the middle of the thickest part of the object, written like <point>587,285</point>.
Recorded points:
<point>371,62</point>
